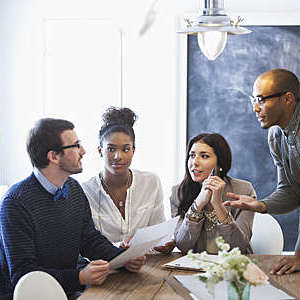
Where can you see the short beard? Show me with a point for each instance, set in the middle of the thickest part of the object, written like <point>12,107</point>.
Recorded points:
<point>68,170</point>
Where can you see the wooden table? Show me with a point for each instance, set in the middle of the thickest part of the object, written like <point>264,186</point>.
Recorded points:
<point>155,282</point>
<point>290,283</point>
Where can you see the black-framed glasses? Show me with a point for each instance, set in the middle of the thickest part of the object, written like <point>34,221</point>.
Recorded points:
<point>76,145</point>
<point>261,100</point>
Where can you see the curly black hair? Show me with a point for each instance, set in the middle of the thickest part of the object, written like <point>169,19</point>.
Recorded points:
<point>117,119</point>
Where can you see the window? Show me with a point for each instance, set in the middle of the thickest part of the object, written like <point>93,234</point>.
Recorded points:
<point>63,59</point>
<point>82,77</point>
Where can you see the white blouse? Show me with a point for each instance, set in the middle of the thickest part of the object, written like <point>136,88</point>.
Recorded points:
<point>143,206</point>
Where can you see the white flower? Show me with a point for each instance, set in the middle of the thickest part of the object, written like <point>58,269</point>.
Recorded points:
<point>221,244</point>
<point>230,265</point>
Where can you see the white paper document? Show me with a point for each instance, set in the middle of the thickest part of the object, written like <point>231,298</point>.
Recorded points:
<point>200,292</point>
<point>145,239</point>
<point>186,263</point>
<point>132,252</point>
<point>163,231</point>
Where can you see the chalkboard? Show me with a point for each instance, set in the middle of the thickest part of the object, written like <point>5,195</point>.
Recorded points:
<point>218,101</point>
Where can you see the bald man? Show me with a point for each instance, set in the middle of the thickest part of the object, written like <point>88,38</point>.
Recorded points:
<point>275,101</point>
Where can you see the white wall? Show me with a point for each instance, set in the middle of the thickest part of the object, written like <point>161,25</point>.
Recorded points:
<point>17,84</point>
<point>150,81</point>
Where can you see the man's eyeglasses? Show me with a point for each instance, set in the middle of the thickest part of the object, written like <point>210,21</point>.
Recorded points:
<point>261,100</point>
<point>77,145</point>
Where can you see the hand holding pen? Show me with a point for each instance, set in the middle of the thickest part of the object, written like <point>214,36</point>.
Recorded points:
<point>212,173</point>
<point>216,185</point>
<point>205,194</point>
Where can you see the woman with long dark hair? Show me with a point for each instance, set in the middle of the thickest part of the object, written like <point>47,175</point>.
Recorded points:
<point>199,198</point>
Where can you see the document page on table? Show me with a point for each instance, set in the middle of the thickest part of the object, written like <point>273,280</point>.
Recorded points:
<point>198,289</point>
<point>187,263</point>
<point>163,230</point>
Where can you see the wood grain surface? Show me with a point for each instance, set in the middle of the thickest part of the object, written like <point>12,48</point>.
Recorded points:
<point>156,282</point>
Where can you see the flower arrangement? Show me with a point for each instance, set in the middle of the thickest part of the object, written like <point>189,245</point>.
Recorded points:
<point>237,269</point>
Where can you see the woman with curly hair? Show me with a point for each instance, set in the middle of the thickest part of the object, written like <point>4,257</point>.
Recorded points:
<point>123,199</point>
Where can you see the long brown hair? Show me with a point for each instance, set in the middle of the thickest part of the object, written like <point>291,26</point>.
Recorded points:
<point>188,189</point>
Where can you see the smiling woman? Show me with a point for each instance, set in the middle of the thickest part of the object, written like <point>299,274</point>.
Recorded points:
<point>123,199</point>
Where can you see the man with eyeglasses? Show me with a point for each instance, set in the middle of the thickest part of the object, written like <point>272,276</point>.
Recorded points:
<point>275,101</point>
<point>45,220</point>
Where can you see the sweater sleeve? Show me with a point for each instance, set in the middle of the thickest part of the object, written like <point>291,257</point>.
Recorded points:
<point>187,234</point>
<point>17,234</point>
<point>239,233</point>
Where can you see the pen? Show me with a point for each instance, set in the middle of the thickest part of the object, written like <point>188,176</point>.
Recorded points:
<point>212,173</point>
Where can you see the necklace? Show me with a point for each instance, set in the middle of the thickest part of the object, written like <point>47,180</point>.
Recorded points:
<point>119,202</point>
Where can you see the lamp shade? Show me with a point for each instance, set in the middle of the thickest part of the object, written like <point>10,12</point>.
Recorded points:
<point>212,28</point>
<point>212,43</point>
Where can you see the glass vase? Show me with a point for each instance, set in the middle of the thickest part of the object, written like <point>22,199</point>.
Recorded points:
<point>238,291</point>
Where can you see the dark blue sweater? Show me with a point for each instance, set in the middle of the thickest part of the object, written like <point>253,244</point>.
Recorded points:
<point>37,233</point>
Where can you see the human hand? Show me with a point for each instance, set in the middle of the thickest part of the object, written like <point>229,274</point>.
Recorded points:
<point>287,265</point>
<point>166,248</point>
<point>94,273</point>
<point>135,265</point>
<point>204,196</point>
<point>216,185</point>
<point>246,202</point>
<point>125,244</point>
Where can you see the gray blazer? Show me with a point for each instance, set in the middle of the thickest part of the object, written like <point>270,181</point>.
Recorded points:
<point>193,235</point>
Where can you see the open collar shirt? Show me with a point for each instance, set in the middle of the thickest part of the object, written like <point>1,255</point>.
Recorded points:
<point>143,206</point>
